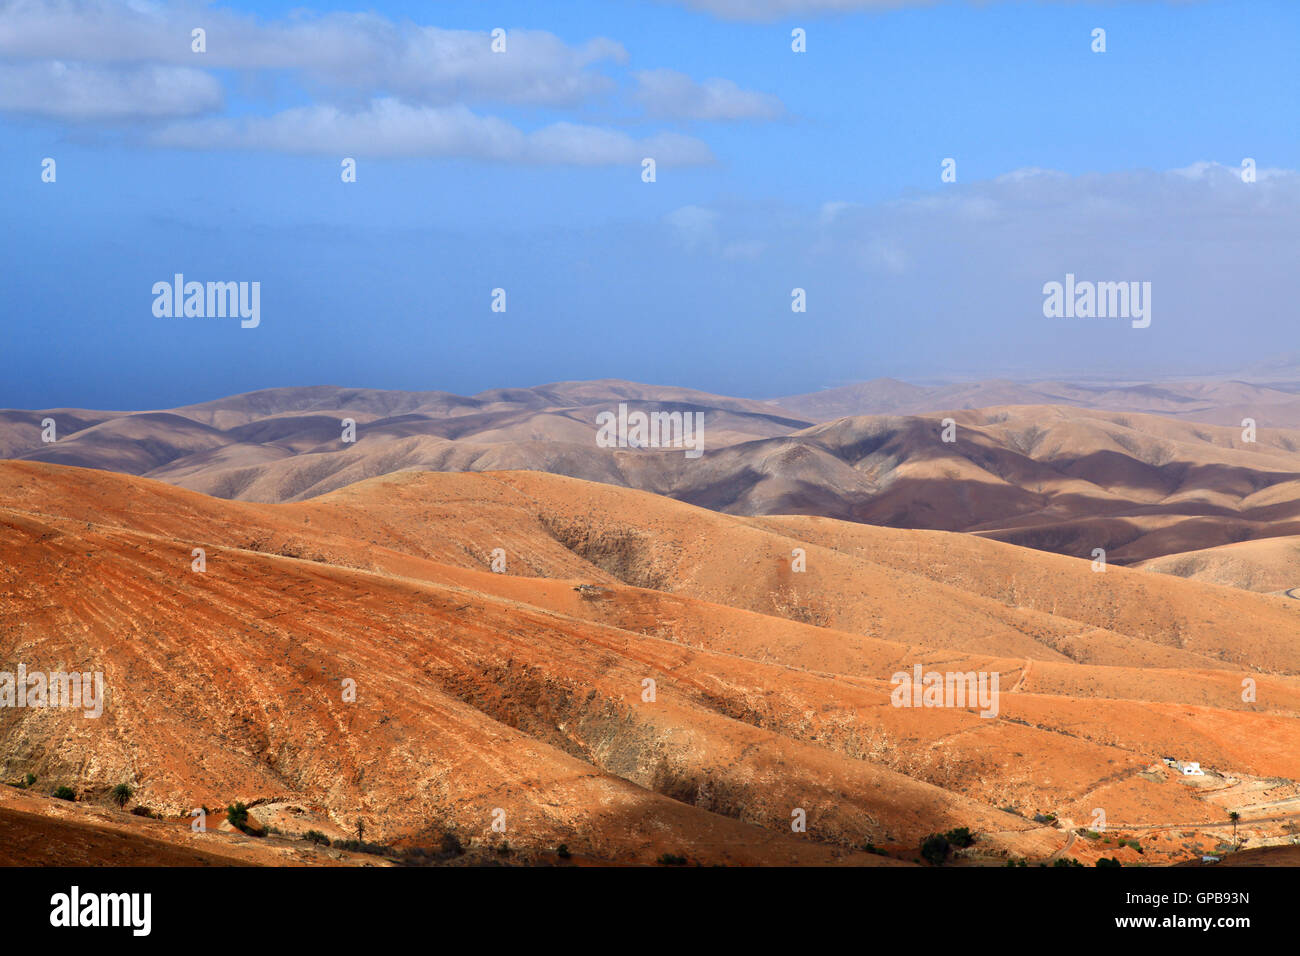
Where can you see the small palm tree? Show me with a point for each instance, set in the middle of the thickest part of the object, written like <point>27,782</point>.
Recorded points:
<point>1234,816</point>
<point>121,794</point>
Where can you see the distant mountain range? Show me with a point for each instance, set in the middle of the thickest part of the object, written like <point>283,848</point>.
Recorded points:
<point>1224,402</point>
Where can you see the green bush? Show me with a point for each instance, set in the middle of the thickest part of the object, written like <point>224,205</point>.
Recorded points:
<point>237,816</point>
<point>562,851</point>
<point>64,793</point>
<point>1108,862</point>
<point>960,837</point>
<point>315,836</point>
<point>121,794</point>
<point>669,859</point>
<point>935,849</point>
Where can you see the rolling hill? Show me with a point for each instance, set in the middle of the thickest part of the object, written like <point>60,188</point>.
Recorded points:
<point>525,691</point>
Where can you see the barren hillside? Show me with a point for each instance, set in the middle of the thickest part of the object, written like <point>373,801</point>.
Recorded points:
<point>525,691</point>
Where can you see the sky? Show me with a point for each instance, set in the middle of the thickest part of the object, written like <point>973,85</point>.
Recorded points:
<point>522,170</point>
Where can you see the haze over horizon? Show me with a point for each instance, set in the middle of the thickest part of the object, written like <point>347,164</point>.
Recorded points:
<point>1283,370</point>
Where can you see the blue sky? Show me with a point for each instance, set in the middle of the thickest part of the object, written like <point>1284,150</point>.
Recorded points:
<point>521,171</point>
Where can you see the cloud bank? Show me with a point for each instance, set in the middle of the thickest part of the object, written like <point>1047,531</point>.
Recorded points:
<point>373,85</point>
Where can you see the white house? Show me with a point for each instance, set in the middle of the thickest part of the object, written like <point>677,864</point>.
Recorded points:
<point>1192,769</point>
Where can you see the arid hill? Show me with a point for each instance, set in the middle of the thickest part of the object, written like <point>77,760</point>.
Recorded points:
<point>770,642</point>
<point>1268,565</point>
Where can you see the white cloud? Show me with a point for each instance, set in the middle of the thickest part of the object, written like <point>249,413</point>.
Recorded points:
<point>668,93</point>
<point>374,86</point>
<point>354,50</point>
<point>388,127</point>
<point>1228,177</point>
<point>76,91</point>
